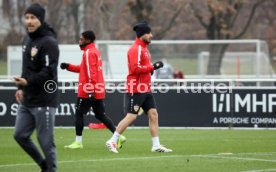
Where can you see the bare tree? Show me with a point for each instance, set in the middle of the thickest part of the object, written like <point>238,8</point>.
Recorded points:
<point>113,19</point>
<point>143,10</point>
<point>56,14</point>
<point>170,22</point>
<point>266,20</point>
<point>107,14</point>
<point>9,12</point>
<point>13,11</point>
<point>74,11</point>
<point>220,24</point>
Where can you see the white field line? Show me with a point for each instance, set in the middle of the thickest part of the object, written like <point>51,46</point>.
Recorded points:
<point>102,160</point>
<point>168,128</point>
<point>242,153</point>
<point>218,156</point>
<point>265,170</point>
<point>258,153</point>
<point>234,158</point>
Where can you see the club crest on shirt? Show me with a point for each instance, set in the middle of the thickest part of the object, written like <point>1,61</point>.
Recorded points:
<point>146,54</point>
<point>136,108</point>
<point>34,51</point>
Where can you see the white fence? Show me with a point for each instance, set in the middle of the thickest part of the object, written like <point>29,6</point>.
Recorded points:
<point>181,54</point>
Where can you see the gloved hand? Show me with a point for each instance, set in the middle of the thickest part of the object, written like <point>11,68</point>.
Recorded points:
<point>158,65</point>
<point>64,65</point>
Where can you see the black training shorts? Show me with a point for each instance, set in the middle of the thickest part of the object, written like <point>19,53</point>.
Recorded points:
<point>135,101</point>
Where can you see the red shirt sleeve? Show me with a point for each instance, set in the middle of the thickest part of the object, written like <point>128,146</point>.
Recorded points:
<point>74,68</point>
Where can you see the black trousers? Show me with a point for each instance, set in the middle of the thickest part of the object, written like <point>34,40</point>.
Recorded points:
<point>83,106</point>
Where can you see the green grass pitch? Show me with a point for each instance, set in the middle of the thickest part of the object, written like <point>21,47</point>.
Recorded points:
<point>194,150</point>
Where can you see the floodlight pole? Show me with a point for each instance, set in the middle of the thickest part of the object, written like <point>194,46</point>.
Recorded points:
<point>258,60</point>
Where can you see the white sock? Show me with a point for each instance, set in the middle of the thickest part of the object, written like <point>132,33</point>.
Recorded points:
<point>78,138</point>
<point>115,137</point>
<point>155,141</point>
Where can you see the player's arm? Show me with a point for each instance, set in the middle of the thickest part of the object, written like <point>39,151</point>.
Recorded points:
<point>70,67</point>
<point>74,68</point>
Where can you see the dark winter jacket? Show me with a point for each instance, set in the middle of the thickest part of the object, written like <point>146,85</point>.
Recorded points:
<point>39,68</point>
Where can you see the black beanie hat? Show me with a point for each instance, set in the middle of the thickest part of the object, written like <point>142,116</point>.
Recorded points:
<point>36,10</point>
<point>141,28</point>
<point>89,35</point>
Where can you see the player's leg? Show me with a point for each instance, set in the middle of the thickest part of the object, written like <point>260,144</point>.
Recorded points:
<point>111,144</point>
<point>124,123</point>
<point>153,122</point>
<point>99,110</point>
<point>24,127</point>
<point>82,107</point>
<point>134,102</point>
<point>149,107</point>
<point>45,121</point>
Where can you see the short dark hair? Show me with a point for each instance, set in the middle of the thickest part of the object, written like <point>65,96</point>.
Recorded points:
<point>89,34</point>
